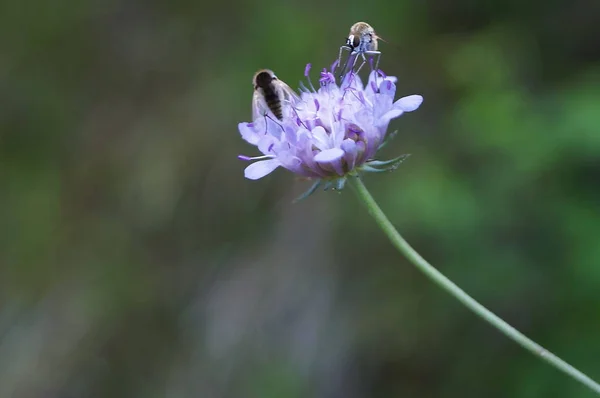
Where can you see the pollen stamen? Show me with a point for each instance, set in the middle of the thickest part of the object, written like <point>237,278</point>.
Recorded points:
<point>248,158</point>
<point>307,75</point>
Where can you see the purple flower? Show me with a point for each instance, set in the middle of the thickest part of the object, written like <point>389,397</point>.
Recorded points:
<point>329,133</point>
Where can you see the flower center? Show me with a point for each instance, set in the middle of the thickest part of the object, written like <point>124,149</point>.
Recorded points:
<point>354,132</point>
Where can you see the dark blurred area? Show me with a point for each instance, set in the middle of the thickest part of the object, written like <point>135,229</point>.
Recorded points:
<point>136,260</point>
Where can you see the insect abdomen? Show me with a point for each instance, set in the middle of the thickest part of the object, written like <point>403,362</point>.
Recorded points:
<point>273,102</point>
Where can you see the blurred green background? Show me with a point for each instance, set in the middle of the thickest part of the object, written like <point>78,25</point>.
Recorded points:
<point>136,261</point>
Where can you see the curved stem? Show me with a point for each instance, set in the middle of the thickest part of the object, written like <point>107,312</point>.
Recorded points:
<point>439,279</point>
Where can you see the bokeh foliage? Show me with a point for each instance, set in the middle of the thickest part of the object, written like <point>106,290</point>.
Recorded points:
<point>135,260</point>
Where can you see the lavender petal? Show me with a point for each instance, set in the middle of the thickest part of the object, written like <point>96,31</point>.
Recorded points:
<point>329,155</point>
<point>261,168</point>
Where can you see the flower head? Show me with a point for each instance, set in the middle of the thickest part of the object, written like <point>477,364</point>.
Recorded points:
<point>329,133</point>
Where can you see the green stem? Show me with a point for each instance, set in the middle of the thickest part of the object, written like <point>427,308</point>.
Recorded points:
<point>446,284</point>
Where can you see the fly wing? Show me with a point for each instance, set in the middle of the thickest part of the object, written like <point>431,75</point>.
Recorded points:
<point>289,99</point>
<point>259,107</point>
<point>289,95</point>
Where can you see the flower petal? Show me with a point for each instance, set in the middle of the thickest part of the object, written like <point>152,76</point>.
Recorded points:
<point>371,80</point>
<point>337,133</point>
<point>384,120</point>
<point>409,104</point>
<point>351,81</point>
<point>290,162</point>
<point>248,133</point>
<point>349,148</point>
<point>384,99</point>
<point>387,88</point>
<point>261,168</point>
<point>266,143</point>
<point>329,155</point>
<point>337,166</point>
<point>320,138</point>
<point>376,80</point>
